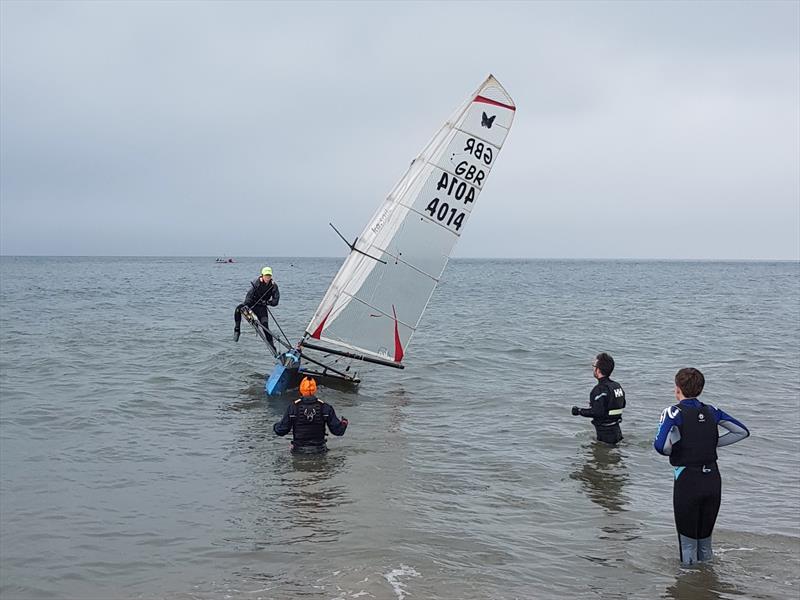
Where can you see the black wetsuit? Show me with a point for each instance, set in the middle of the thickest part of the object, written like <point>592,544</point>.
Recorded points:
<point>606,401</point>
<point>259,297</point>
<point>306,418</point>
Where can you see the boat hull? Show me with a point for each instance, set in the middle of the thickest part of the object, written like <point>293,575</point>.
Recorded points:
<point>285,375</point>
<point>289,371</point>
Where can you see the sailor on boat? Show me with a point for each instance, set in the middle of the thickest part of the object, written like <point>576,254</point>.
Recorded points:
<point>606,401</point>
<point>306,418</point>
<point>262,294</point>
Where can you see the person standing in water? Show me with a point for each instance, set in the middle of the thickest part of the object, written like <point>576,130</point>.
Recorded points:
<point>689,435</point>
<point>306,418</point>
<point>606,401</point>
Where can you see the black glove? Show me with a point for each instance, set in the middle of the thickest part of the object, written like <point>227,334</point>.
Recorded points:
<point>575,411</point>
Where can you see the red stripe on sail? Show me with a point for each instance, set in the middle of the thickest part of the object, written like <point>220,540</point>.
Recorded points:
<point>486,100</point>
<point>398,347</point>
<point>318,330</point>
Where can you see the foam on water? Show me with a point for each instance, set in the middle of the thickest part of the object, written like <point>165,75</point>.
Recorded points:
<point>393,577</point>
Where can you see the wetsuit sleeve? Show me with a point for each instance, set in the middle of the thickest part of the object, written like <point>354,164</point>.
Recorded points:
<point>275,297</point>
<point>284,426</point>
<point>335,426</point>
<point>598,399</point>
<point>250,298</point>
<point>736,429</point>
<point>668,432</point>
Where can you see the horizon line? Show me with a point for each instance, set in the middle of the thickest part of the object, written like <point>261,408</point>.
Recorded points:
<point>510,258</point>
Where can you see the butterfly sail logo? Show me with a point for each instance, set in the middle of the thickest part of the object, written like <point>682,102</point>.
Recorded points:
<point>487,121</point>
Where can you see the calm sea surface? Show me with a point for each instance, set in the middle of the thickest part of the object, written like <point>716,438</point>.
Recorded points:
<point>137,458</point>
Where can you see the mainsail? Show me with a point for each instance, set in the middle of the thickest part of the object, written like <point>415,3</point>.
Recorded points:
<point>376,300</point>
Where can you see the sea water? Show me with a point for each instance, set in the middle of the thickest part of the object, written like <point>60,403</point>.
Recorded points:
<point>137,458</point>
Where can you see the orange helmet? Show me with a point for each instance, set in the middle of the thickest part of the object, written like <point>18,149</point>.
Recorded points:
<point>308,386</point>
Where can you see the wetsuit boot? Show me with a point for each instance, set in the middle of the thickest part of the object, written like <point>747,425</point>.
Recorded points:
<point>704,551</point>
<point>688,548</point>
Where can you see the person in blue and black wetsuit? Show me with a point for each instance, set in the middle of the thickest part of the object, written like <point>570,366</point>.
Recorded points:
<point>689,435</point>
<point>306,418</point>
<point>606,401</point>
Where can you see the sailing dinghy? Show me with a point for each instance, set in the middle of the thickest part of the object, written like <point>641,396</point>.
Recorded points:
<point>374,304</point>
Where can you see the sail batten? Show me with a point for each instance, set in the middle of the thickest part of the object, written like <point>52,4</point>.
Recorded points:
<point>413,232</point>
<point>433,222</point>
<point>398,259</point>
<point>375,308</point>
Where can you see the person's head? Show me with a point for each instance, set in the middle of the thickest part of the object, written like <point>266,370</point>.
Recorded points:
<point>689,382</point>
<point>266,274</point>
<point>308,387</point>
<point>603,365</point>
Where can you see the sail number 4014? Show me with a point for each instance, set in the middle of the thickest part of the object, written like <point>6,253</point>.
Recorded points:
<point>460,190</point>
<point>445,214</point>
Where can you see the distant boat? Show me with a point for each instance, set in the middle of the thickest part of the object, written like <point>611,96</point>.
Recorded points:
<point>376,300</point>
<point>224,260</point>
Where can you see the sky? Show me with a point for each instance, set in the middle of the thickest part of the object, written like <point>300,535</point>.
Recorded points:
<point>644,130</point>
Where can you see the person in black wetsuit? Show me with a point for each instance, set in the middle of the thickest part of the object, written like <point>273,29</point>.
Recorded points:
<point>606,401</point>
<point>263,293</point>
<point>306,418</point>
<point>689,435</point>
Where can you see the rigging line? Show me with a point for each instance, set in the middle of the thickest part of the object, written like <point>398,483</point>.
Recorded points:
<point>269,289</point>
<point>260,330</point>
<point>353,246</point>
<point>324,366</point>
<point>275,336</point>
<point>287,343</point>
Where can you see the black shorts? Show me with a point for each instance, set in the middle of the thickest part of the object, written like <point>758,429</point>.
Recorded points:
<point>696,497</point>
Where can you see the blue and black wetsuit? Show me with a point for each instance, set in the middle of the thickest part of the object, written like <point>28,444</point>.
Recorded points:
<point>689,435</point>
<point>606,401</point>
<point>306,418</point>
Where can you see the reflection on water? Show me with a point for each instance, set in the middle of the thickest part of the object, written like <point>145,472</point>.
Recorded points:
<point>311,500</point>
<point>699,583</point>
<point>306,487</point>
<point>397,399</point>
<point>603,476</point>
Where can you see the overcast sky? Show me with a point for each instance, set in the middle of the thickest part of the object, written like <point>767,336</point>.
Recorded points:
<point>643,129</point>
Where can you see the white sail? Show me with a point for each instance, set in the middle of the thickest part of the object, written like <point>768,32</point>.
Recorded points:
<point>373,307</point>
